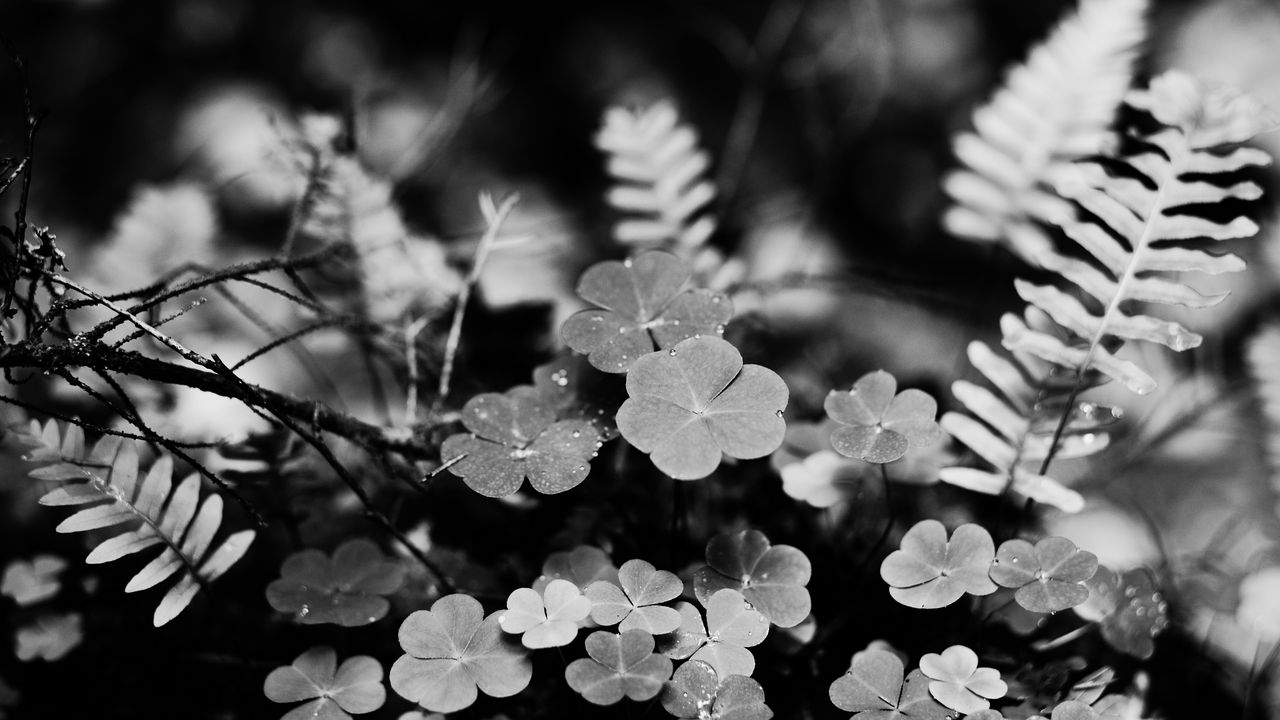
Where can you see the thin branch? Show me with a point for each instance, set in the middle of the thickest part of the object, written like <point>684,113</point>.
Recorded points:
<point>496,218</point>
<point>316,441</point>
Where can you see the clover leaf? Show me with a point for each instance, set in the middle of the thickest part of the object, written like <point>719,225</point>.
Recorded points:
<point>873,688</point>
<point>928,571</point>
<point>49,638</point>
<point>877,426</point>
<point>697,692</point>
<point>574,390</point>
<point>31,582</point>
<point>346,590</point>
<point>732,626</point>
<point>1073,710</point>
<point>1049,576</point>
<point>620,666</point>
<point>634,605</point>
<point>336,692</point>
<point>517,436</point>
<point>771,578</point>
<point>824,478</point>
<point>957,682</point>
<point>581,566</point>
<point>1258,609</point>
<point>452,651</point>
<point>1129,609</point>
<point>696,401</point>
<point>640,310</point>
<point>547,619</point>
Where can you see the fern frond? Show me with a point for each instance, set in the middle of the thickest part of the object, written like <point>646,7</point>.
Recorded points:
<point>106,487</point>
<point>1262,354</point>
<point>399,274</point>
<point>1056,108</point>
<point>1140,227</point>
<point>1012,428</point>
<point>662,189</point>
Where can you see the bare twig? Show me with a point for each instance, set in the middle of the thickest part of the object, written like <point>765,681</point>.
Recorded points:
<point>496,217</point>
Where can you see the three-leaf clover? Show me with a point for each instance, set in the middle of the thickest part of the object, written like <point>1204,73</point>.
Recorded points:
<point>771,578</point>
<point>642,309</point>
<point>873,687</point>
<point>696,401</point>
<point>346,590</point>
<point>517,436</point>
<point>928,571</point>
<point>696,692</point>
<point>1049,576</point>
<point>1129,609</point>
<point>581,566</point>
<point>633,604</point>
<point>732,626</point>
<point>547,619</point>
<point>620,666</point>
<point>31,582</point>
<point>452,652</point>
<point>955,680</point>
<point>336,691</point>
<point>876,426</point>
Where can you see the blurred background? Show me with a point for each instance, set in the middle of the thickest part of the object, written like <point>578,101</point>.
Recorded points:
<point>829,125</point>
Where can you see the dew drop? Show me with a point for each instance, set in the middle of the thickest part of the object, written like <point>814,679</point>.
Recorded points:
<point>675,322</point>
<point>582,468</point>
<point>720,329</point>
<point>626,263</point>
<point>778,413</point>
<point>622,330</point>
<point>672,352</point>
<point>1015,559</point>
<point>595,454</point>
<point>715,299</point>
<point>304,611</point>
<point>576,433</point>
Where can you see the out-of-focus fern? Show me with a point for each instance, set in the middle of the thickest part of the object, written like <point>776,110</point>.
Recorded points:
<point>1264,349</point>
<point>1013,430</point>
<point>662,189</point>
<point>399,274</point>
<point>1141,225</point>
<point>107,481</point>
<point>1054,109</point>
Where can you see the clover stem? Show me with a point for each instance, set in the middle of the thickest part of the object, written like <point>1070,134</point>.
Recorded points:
<point>678,527</point>
<point>1257,671</point>
<point>888,525</point>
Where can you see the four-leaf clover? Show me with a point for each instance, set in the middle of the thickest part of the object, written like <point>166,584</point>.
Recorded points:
<point>928,571</point>
<point>1049,576</point>
<point>771,578</point>
<point>696,692</point>
<point>634,605</point>
<point>955,680</point>
<point>689,405</point>
<point>347,590</point>
<point>620,666</point>
<point>453,651</point>
<point>641,310</point>
<point>876,426</point>
<point>335,691</point>
<point>549,619</point>
<point>517,436</point>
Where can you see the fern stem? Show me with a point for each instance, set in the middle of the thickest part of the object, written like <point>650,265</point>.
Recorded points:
<point>464,295</point>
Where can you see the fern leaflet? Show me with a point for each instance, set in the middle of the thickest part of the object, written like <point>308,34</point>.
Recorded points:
<point>399,274</point>
<point>1014,427</point>
<point>107,481</point>
<point>660,169</point>
<point>1150,214</point>
<point>1054,109</point>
